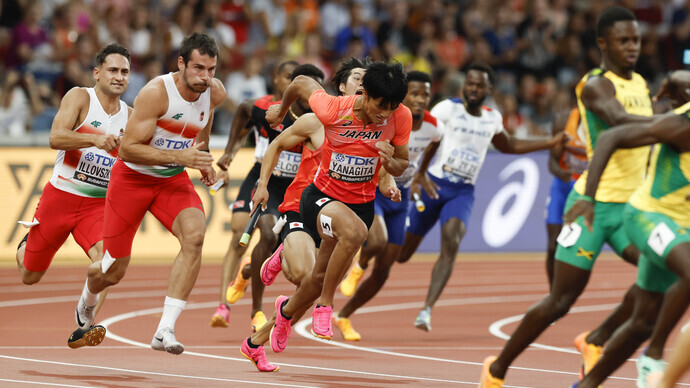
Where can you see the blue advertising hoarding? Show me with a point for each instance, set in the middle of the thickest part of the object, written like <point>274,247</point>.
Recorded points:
<point>509,207</point>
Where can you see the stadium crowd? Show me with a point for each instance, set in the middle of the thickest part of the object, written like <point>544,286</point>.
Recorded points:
<point>539,48</point>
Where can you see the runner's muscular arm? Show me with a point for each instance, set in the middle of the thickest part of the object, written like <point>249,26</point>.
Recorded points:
<point>150,104</point>
<point>238,132</point>
<point>599,97</point>
<point>62,134</point>
<point>217,97</point>
<point>509,144</point>
<point>394,158</point>
<point>306,128</point>
<point>666,128</point>
<point>556,152</point>
<point>208,174</point>
<point>301,87</point>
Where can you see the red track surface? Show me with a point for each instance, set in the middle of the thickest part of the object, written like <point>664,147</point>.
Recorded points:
<point>36,321</point>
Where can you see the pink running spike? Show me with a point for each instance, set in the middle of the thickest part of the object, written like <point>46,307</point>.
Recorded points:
<point>321,322</point>
<point>272,267</point>
<point>258,357</point>
<point>281,329</point>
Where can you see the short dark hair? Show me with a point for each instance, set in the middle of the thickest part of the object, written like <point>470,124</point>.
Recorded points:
<point>387,82</point>
<point>610,16</point>
<point>418,76</point>
<point>309,70</point>
<point>484,68</point>
<point>345,70</point>
<point>286,63</point>
<point>196,41</point>
<point>113,48</point>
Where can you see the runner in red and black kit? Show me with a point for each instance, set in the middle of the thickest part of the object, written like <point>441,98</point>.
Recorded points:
<point>362,133</point>
<point>299,243</point>
<point>242,125</point>
<point>281,177</point>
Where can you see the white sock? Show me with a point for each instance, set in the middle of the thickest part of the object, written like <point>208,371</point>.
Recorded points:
<point>90,299</point>
<point>171,311</point>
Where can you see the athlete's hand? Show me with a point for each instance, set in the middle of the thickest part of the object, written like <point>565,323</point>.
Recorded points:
<point>208,176</point>
<point>195,158</point>
<point>273,115</point>
<point>580,208</point>
<point>223,174</point>
<point>388,188</point>
<point>427,184</point>
<point>393,193</point>
<point>560,140</point>
<point>224,162</point>
<point>386,151</point>
<point>260,197</point>
<point>676,87</point>
<point>107,142</point>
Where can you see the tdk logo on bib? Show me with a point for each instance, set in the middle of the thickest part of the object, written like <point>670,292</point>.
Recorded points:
<point>94,169</point>
<point>349,168</point>
<point>170,144</point>
<point>101,160</point>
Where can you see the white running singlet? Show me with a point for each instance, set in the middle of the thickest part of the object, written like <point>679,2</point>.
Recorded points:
<point>465,141</point>
<point>177,128</point>
<point>86,171</point>
<point>431,130</point>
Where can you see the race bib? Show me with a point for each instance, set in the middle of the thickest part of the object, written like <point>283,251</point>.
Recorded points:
<point>353,169</point>
<point>569,235</point>
<point>288,164</point>
<point>94,168</point>
<point>462,164</point>
<point>660,237</point>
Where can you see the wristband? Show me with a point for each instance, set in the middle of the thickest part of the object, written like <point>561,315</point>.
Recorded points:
<point>587,198</point>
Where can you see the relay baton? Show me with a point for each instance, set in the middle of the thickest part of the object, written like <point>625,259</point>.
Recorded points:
<point>418,202</point>
<point>214,189</point>
<point>250,227</point>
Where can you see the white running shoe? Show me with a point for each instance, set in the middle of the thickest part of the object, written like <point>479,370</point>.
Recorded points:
<point>165,340</point>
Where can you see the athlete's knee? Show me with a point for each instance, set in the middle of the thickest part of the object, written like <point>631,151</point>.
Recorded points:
<point>354,235</point>
<point>380,274</point>
<point>317,279</point>
<point>193,238</point>
<point>268,238</point>
<point>374,245</point>
<point>556,306</point>
<point>30,277</point>
<point>108,274</point>
<point>297,273</point>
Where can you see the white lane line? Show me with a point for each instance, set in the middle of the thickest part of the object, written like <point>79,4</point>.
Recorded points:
<point>49,384</point>
<point>153,373</point>
<point>193,306</point>
<point>495,329</point>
